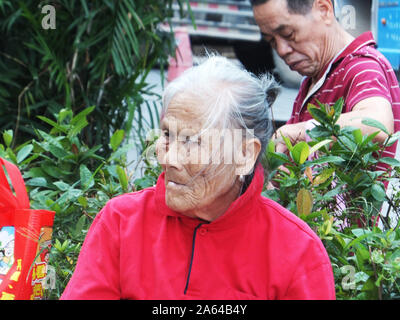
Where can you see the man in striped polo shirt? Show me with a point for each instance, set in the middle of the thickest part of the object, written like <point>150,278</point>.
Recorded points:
<point>307,36</point>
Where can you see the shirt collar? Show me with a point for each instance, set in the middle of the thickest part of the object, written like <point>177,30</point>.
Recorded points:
<point>237,211</point>
<point>365,39</point>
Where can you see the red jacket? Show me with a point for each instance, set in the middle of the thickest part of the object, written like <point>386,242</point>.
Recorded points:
<point>138,248</point>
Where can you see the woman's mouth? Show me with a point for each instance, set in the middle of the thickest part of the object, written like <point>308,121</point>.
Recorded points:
<point>173,184</point>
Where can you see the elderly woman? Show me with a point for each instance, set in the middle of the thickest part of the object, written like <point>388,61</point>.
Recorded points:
<point>204,231</point>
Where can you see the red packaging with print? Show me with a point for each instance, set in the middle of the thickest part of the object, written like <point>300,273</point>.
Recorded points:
<point>25,239</point>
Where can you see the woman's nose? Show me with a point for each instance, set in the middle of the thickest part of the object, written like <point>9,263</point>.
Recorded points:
<point>174,156</point>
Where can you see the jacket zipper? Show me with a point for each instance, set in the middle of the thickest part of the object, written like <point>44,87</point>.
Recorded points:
<point>191,256</point>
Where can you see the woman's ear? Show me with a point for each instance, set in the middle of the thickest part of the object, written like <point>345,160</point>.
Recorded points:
<point>248,157</point>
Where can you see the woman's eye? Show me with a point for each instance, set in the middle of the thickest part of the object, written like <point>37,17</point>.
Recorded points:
<point>188,139</point>
<point>166,133</point>
<point>193,140</point>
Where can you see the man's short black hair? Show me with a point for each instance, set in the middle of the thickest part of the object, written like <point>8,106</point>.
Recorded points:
<point>294,6</point>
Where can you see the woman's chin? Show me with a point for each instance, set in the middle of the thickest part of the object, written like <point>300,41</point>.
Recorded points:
<point>175,203</point>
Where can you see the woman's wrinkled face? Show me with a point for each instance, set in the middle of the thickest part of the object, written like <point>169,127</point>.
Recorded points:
<point>196,184</point>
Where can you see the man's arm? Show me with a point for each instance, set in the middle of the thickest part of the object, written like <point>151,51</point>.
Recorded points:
<point>377,108</point>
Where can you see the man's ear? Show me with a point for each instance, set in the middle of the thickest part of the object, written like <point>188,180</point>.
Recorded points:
<point>324,9</point>
<point>248,157</point>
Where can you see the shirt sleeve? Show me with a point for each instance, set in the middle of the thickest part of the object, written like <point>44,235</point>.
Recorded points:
<point>364,79</point>
<point>96,276</point>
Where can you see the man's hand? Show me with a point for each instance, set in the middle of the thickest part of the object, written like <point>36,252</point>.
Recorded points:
<point>294,132</point>
<point>377,108</point>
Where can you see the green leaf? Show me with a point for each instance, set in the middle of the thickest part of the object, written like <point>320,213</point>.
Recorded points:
<point>281,156</point>
<point>123,179</point>
<point>338,107</point>
<point>79,226</point>
<point>327,159</point>
<point>79,122</point>
<point>54,124</point>
<point>62,185</point>
<point>370,138</point>
<point>360,237</point>
<point>37,182</point>
<point>319,145</point>
<point>393,138</point>
<point>300,152</point>
<point>362,256</point>
<point>374,123</point>
<point>58,152</point>
<point>325,175</point>
<point>11,155</point>
<point>304,202</point>
<point>57,245</point>
<point>349,143</point>
<point>340,240</point>
<point>24,152</point>
<point>87,180</point>
<point>77,128</point>
<point>63,114</point>
<point>49,139</point>
<point>143,183</point>
<point>116,139</point>
<point>83,202</point>
<point>318,114</point>
<point>30,159</point>
<point>358,137</point>
<point>390,161</point>
<point>319,132</point>
<point>271,146</point>
<point>288,143</point>
<point>52,171</point>
<point>332,193</point>
<point>8,137</point>
<point>81,115</point>
<point>378,192</point>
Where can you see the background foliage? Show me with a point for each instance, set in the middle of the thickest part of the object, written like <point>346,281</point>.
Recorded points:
<point>332,184</point>
<point>99,55</point>
<point>56,171</point>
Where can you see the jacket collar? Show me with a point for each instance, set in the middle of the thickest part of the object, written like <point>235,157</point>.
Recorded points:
<point>238,211</point>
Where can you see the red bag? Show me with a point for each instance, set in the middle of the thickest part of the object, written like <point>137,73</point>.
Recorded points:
<point>25,239</point>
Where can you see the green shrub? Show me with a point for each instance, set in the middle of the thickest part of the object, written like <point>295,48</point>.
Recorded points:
<point>99,54</point>
<point>339,194</point>
<point>63,174</point>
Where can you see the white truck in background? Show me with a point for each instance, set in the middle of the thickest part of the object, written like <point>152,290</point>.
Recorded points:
<point>231,22</point>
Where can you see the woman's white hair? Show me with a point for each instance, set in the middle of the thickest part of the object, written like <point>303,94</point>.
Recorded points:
<point>234,97</point>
